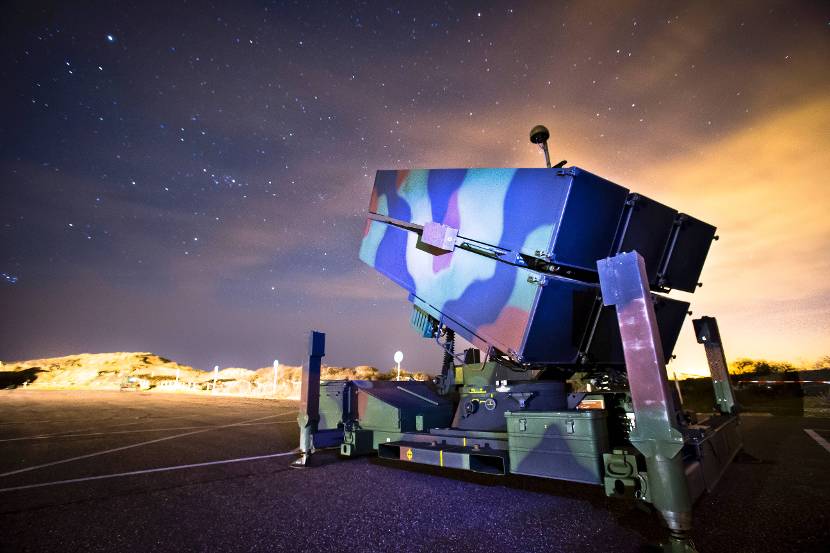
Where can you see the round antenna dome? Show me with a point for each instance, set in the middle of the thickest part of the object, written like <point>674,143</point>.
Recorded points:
<point>539,134</point>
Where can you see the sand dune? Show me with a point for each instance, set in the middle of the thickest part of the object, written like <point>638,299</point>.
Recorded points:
<point>148,371</point>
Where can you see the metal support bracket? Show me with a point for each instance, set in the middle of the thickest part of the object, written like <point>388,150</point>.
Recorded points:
<point>624,284</point>
<point>706,330</point>
<point>309,415</point>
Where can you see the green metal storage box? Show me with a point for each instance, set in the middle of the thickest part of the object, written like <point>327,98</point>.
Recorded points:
<point>332,400</point>
<point>566,445</point>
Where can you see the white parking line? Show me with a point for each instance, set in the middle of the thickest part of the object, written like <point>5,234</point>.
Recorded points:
<point>79,434</point>
<point>88,428</point>
<point>819,440</point>
<point>148,471</point>
<point>122,448</point>
<point>55,436</point>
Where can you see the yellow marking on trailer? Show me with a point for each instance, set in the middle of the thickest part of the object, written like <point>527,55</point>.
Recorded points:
<point>409,453</point>
<point>476,391</point>
<point>591,404</point>
<point>465,441</point>
<point>441,457</point>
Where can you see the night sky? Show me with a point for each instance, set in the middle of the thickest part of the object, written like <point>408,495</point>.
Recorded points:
<point>192,178</point>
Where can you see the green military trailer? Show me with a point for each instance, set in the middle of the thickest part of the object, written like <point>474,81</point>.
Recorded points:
<point>560,281</point>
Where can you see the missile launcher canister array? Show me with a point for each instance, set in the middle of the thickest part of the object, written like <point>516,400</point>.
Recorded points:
<point>507,257</point>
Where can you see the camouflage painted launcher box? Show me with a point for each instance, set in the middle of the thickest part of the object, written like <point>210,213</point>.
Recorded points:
<point>507,257</point>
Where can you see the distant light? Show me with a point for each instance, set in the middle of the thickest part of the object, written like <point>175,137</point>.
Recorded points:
<point>398,356</point>
<point>111,39</point>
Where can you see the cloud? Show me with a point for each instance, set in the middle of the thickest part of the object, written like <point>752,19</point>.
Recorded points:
<point>362,284</point>
<point>765,187</point>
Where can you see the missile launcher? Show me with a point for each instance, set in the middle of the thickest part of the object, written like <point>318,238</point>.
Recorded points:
<point>561,280</point>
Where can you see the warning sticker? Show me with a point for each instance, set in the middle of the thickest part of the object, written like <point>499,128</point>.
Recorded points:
<point>409,454</point>
<point>591,404</point>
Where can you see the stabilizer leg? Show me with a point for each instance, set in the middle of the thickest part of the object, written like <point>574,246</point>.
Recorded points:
<point>309,415</point>
<point>706,330</point>
<point>656,434</point>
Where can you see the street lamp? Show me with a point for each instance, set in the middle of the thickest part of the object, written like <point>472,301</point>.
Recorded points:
<point>398,359</point>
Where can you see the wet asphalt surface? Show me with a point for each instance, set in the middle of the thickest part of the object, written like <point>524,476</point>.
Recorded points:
<point>775,502</point>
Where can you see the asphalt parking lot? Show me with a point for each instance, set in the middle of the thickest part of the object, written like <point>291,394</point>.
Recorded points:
<point>130,471</point>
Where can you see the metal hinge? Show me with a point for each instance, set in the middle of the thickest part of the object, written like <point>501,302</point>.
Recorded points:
<point>515,356</point>
<point>680,219</point>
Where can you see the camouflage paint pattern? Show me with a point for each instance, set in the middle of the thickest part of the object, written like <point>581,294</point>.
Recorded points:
<point>568,216</point>
<point>483,289</point>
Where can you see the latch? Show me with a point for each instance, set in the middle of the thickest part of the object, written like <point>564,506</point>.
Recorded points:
<point>540,280</point>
